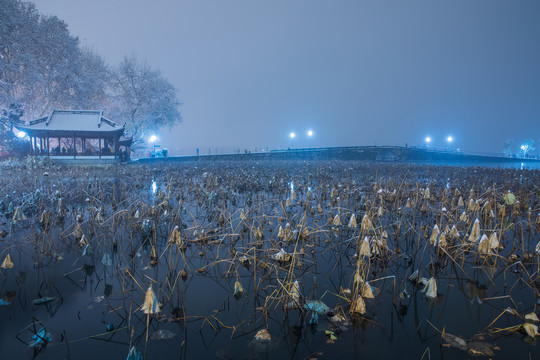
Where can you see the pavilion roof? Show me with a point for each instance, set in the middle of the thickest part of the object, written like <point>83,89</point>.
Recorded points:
<point>67,122</point>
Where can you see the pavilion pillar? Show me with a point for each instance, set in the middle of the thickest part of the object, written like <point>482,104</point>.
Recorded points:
<point>74,147</point>
<point>48,148</point>
<point>99,145</point>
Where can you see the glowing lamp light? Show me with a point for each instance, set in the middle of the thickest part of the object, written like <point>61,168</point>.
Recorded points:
<point>292,135</point>
<point>449,139</point>
<point>523,147</point>
<point>153,138</point>
<point>21,134</point>
<point>310,133</point>
<point>428,139</point>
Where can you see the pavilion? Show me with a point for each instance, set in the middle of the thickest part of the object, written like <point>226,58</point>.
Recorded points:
<point>78,135</point>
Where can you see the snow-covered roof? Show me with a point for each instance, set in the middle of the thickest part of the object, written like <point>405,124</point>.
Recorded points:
<point>63,121</point>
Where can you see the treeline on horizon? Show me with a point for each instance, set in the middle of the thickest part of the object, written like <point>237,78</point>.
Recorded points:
<point>44,67</point>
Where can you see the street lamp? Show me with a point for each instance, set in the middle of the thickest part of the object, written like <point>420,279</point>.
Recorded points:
<point>153,139</point>
<point>292,135</point>
<point>428,140</point>
<point>310,134</point>
<point>449,140</point>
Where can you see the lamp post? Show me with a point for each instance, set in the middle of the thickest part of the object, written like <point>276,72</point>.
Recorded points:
<point>153,139</point>
<point>310,134</point>
<point>449,140</point>
<point>292,135</point>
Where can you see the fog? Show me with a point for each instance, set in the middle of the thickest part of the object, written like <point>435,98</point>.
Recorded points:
<point>354,72</point>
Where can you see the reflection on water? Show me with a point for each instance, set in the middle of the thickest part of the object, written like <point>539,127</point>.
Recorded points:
<point>102,268</point>
<point>475,291</point>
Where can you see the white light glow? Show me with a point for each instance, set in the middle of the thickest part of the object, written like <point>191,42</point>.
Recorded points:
<point>21,134</point>
<point>310,133</point>
<point>292,135</point>
<point>449,139</point>
<point>153,138</point>
<point>428,139</point>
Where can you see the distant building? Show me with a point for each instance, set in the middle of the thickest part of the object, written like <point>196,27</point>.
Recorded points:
<point>83,135</point>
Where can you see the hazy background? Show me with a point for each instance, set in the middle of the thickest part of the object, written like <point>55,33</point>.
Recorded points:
<point>355,72</point>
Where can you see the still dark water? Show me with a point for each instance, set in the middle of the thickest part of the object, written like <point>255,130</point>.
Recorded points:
<point>229,216</point>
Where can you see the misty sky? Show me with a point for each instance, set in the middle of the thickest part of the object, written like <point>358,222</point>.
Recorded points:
<point>355,72</point>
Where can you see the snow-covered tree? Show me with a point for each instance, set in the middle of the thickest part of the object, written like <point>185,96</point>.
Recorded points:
<point>144,98</point>
<point>42,66</point>
<point>527,147</point>
<point>18,68</point>
<point>508,143</point>
<point>95,81</point>
<point>8,118</point>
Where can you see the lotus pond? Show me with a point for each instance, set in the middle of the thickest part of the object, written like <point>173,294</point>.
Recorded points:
<point>269,260</point>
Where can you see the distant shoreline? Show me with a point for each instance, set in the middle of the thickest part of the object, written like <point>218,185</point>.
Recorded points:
<point>390,154</point>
